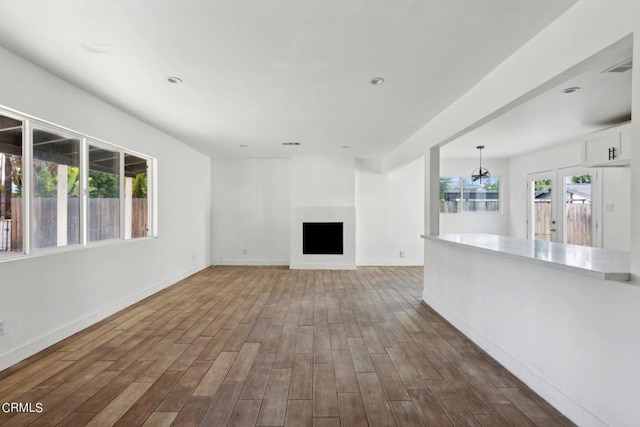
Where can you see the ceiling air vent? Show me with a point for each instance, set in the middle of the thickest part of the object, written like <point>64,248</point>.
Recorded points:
<point>291,143</point>
<point>620,68</point>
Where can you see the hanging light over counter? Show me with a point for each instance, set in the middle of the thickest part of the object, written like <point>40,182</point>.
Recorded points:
<point>478,174</point>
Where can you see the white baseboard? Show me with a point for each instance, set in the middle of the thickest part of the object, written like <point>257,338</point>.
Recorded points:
<point>327,266</point>
<point>30,348</point>
<point>399,262</point>
<point>556,397</point>
<point>318,266</point>
<point>252,262</point>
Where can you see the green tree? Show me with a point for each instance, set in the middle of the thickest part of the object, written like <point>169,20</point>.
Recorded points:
<point>46,184</point>
<point>492,185</point>
<point>541,184</point>
<point>445,185</point>
<point>140,186</point>
<point>103,184</point>
<point>73,181</point>
<point>581,179</point>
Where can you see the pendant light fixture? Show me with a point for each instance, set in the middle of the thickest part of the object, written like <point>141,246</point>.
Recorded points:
<point>478,174</point>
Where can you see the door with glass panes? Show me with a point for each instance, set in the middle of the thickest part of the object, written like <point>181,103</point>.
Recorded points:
<point>563,206</point>
<point>542,223</point>
<point>579,202</point>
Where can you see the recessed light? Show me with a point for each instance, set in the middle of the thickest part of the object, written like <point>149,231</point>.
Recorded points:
<point>346,146</point>
<point>174,79</point>
<point>244,146</point>
<point>571,89</point>
<point>376,81</point>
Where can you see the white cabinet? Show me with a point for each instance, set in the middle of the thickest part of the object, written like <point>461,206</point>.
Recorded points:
<point>611,147</point>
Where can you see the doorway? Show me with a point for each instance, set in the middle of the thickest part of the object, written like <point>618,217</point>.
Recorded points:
<point>564,206</point>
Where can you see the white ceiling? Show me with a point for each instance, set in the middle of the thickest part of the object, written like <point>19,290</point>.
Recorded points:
<point>260,72</point>
<point>553,118</point>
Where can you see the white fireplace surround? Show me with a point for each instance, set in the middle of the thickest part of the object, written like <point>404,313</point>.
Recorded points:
<point>343,214</point>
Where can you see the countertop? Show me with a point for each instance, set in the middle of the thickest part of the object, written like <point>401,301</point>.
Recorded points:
<point>599,263</point>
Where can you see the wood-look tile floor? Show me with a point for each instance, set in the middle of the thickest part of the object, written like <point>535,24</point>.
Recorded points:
<point>244,346</point>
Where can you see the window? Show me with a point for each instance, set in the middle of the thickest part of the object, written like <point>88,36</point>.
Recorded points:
<point>79,190</point>
<point>136,212</point>
<point>104,194</point>
<point>11,201</point>
<point>578,216</point>
<point>463,195</point>
<point>55,201</point>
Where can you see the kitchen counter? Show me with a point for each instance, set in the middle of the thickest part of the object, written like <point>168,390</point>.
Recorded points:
<point>599,263</point>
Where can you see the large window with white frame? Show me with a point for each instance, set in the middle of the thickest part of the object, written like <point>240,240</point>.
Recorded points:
<point>59,188</point>
<point>55,202</point>
<point>461,194</point>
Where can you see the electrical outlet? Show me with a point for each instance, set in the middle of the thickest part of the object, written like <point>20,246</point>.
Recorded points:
<point>401,254</point>
<point>244,252</point>
<point>1,326</point>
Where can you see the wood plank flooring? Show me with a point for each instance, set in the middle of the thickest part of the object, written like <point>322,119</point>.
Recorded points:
<point>244,346</point>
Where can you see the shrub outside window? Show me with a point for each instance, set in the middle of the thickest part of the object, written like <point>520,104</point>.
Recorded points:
<point>104,194</point>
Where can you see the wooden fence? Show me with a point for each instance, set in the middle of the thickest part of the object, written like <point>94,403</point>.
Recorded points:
<point>577,224</point>
<point>139,218</point>
<point>104,221</point>
<point>542,221</point>
<point>453,206</point>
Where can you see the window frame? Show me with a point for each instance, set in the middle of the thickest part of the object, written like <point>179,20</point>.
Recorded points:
<point>151,191</point>
<point>87,194</point>
<point>25,182</point>
<point>462,210</point>
<point>47,127</point>
<point>29,124</point>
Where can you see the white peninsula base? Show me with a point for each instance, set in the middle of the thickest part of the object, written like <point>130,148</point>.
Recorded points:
<point>549,316</point>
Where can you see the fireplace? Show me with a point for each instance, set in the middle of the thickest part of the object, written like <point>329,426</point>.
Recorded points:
<point>322,238</point>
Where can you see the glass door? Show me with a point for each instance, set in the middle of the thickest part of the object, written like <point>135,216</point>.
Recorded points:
<point>542,224</point>
<point>579,200</point>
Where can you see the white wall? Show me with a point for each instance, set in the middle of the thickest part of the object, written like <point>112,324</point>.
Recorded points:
<point>616,203</point>
<point>390,215</point>
<point>477,222</point>
<point>47,298</point>
<point>256,201</point>
<point>323,181</point>
<point>251,211</point>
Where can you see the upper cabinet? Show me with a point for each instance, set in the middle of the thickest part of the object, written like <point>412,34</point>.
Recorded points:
<point>609,147</point>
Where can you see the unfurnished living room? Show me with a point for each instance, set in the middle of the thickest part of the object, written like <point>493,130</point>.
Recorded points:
<point>319,213</point>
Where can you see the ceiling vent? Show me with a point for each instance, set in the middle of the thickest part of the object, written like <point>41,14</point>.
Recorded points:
<point>620,68</point>
<point>291,143</point>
